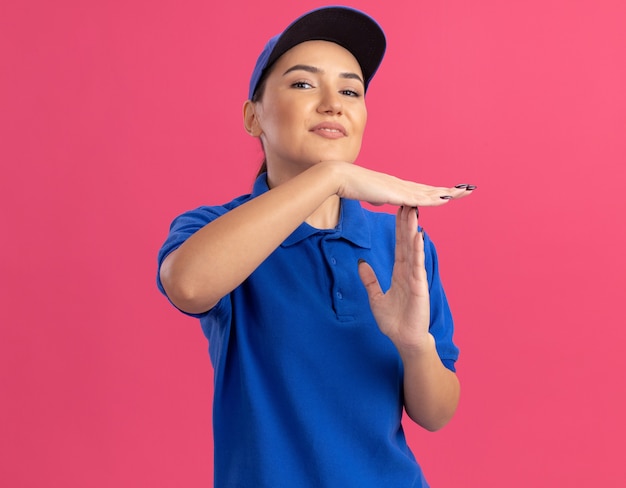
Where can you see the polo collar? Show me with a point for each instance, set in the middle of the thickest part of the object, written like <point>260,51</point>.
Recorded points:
<point>353,225</point>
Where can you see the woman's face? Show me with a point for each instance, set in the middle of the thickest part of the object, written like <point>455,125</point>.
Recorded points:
<point>313,107</point>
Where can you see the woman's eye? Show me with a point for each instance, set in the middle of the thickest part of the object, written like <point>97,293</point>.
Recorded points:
<point>301,84</point>
<point>350,93</point>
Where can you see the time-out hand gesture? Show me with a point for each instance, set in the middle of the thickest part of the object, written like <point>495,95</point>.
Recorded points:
<point>403,313</point>
<point>358,183</point>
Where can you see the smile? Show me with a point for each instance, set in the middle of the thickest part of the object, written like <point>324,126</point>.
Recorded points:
<point>330,130</point>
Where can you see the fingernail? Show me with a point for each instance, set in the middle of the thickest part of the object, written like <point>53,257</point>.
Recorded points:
<point>417,212</point>
<point>463,185</point>
<point>446,197</point>
<point>471,187</point>
<point>423,234</point>
<point>361,261</point>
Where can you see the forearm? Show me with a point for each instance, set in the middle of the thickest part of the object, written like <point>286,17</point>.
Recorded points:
<point>221,255</point>
<point>431,391</point>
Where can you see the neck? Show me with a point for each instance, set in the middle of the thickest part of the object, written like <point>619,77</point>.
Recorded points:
<point>326,216</point>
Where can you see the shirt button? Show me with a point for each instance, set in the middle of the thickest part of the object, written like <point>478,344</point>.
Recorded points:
<point>339,295</point>
<point>333,260</point>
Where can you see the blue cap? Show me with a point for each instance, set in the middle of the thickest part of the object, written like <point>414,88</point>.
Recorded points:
<point>350,28</point>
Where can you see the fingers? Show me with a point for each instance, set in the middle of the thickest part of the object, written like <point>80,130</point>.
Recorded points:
<point>430,196</point>
<point>420,257</point>
<point>358,183</point>
<point>457,192</point>
<point>400,251</point>
<point>466,186</point>
<point>368,277</point>
<point>410,247</point>
<point>406,230</point>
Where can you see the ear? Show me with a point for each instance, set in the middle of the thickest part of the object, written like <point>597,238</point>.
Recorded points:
<point>250,119</point>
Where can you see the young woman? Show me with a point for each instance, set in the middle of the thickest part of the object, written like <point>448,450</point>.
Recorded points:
<point>324,319</point>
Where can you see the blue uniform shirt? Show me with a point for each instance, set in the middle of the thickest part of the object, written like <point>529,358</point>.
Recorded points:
<point>308,391</point>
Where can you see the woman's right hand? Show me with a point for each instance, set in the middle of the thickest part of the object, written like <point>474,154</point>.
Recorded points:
<point>222,254</point>
<point>358,183</point>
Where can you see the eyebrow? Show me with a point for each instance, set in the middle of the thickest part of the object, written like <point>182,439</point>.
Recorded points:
<point>313,69</point>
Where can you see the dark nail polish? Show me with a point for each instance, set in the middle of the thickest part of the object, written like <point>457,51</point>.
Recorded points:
<point>361,260</point>
<point>471,187</point>
<point>446,197</point>
<point>417,212</point>
<point>464,185</point>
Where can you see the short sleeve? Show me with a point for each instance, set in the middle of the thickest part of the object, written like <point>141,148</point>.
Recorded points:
<point>441,323</point>
<point>183,227</point>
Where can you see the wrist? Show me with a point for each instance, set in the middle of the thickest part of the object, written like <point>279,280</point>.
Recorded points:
<point>418,348</point>
<point>334,174</point>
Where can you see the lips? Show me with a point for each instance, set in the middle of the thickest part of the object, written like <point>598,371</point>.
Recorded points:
<point>331,130</point>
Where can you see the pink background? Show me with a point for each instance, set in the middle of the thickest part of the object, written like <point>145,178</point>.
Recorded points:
<point>116,116</point>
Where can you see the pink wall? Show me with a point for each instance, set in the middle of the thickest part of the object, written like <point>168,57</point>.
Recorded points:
<point>118,115</point>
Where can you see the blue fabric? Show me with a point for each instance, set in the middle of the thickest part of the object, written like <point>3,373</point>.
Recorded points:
<point>308,391</point>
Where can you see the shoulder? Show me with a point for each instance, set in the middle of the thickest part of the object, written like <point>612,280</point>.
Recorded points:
<point>189,222</point>
<point>382,222</point>
<point>378,216</point>
<point>206,213</point>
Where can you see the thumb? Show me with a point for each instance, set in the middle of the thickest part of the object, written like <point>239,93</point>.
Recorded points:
<point>368,277</point>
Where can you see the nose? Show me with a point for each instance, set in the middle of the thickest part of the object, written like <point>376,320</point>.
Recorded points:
<point>330,102</point>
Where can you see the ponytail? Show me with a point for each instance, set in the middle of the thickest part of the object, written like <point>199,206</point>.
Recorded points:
<point>262,169</point>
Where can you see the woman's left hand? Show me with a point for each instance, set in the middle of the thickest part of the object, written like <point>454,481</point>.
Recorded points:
<point>403,313</point>
<point>431,391</point>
